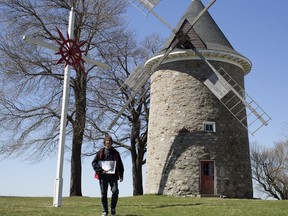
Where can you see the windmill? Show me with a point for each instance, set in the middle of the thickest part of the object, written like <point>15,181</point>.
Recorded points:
<point>220,83</point>
<point>200,116</point>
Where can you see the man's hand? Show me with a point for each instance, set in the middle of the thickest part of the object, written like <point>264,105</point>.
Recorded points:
<point>121,179</point>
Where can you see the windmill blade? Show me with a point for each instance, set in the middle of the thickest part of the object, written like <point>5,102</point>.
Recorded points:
<point>221,86</point>
<point>144,6</point>
<point>135,78</point>
<point>135,82</point>
<point>218,87</point>
<point>123,109</point>
<point>238,101</point>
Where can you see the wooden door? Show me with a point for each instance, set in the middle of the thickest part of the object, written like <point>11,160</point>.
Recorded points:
<point>207,177</point>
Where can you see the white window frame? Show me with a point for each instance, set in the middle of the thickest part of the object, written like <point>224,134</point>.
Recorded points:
<point>209,123</point>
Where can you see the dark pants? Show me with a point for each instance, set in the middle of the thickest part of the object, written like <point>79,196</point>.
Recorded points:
<point>104,181</point>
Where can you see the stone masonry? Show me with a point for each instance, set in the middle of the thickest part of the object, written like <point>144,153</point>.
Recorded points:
<point>180,103</point>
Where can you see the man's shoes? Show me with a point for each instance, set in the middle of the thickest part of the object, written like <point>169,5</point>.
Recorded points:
<point>113,211</point>
<point>104,213</point>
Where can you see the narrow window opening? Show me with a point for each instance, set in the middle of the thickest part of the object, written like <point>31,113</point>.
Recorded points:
<point>209,126</point>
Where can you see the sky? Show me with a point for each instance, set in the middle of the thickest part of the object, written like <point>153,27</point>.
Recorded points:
<point>256,29</point>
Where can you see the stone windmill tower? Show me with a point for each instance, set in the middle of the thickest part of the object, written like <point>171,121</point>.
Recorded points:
<point>195,145</point>
<point>198,123</point>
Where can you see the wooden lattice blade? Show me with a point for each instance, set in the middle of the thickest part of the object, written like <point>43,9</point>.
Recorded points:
<point>217,86</point>
<point>220,87</point>
<point>135,82</point>
<point>122,110</point>
<point>134,78</point>
<point>150,4</point>
<point>144,6</point>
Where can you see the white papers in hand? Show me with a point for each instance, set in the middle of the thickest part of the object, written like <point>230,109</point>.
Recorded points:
<point>108,166</point>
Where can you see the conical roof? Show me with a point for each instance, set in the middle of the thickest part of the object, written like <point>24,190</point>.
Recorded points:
<point>206,28</point>
<point>207,37</point>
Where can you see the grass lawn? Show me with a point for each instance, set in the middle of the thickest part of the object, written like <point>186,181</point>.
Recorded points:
<point>142,206</point>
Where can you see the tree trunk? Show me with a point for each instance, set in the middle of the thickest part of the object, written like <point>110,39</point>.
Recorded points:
<point>78,132</point>
<point>137,155</point>
<point>76,169</point>
<point>137,177</point>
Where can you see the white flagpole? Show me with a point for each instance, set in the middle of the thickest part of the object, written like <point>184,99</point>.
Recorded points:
<point>57,201</point>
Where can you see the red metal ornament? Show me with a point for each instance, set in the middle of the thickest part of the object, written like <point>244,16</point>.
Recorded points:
<point>70,51</point>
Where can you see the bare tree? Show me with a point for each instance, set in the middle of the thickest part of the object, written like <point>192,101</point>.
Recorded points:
<point>139,121</point>
<point>270,169</point>
<point>31,87</point>
<point>134,120</point>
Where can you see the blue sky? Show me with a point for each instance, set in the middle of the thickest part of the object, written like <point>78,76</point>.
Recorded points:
<point>257,29</point>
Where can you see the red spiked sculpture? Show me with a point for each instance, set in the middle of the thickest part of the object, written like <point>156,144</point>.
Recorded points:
<point>70,51</point>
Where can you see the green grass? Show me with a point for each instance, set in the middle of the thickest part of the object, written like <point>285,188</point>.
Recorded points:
<point>143,206</point>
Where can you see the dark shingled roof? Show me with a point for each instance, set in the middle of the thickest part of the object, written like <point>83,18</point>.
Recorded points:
<point>206,29</point>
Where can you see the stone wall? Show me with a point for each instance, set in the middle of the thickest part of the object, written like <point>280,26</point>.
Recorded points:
<point>180,103</point>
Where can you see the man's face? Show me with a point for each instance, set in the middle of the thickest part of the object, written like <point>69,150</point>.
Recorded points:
<point>108,143</point>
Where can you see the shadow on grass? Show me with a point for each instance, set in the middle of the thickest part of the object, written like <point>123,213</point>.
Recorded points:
<point>157,207</point>
<point>165,206</point>
<point>131,215</point>
<point>177,205</point>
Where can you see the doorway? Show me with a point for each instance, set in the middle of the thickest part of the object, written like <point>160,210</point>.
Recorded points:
<point>207,177</point>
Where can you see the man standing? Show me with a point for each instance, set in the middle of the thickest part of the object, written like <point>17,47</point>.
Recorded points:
<point>108,168</point>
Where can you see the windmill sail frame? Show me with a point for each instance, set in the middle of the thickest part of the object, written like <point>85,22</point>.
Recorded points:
<point>216,83</point>
<point>144,6</point>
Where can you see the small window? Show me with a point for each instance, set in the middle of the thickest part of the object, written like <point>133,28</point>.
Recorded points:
<point>209,126</point>
<point>207,169</point>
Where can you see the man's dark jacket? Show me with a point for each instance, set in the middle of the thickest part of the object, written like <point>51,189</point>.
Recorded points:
<point>100,157</point>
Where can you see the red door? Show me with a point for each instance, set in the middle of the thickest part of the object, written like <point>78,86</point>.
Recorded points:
<point>207,177</point>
